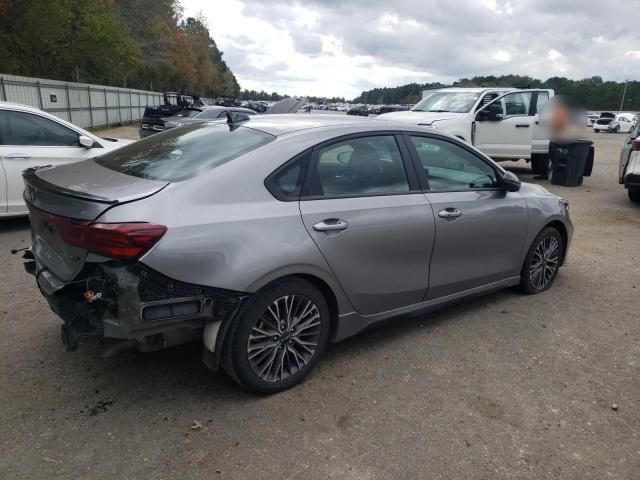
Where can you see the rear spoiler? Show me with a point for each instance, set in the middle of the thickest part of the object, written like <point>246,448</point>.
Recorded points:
<point>33,183</point>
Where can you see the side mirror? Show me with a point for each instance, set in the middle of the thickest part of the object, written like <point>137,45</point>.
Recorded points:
<point>491,113</point>
<point>85,141</point>
<point>510,182</point>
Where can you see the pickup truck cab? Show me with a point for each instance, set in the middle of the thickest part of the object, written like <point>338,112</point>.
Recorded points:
<point>504,123</point>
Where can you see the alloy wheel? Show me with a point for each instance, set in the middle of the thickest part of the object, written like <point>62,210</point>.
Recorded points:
<point>545,262</point>
<point>284,338</point>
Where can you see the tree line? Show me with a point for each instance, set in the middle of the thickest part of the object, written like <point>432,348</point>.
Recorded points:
<point>145,44</point>
<point>590,93</point>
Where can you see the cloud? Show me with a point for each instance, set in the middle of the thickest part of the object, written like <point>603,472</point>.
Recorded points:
<point>333,47</point>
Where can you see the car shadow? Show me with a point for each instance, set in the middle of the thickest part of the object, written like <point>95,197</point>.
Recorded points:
<point>14,224</point>
<point>178,372</point>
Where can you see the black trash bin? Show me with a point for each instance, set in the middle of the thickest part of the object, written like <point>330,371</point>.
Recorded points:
<point>570,161</point>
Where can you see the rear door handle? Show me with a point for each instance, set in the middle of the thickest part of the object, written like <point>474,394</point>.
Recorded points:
<point>521,125</point>
<point>450,213</point>
<point>330,225</point>
<point>18,155</point>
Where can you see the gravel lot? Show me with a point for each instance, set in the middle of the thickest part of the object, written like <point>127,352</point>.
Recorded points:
<point>507,386</point>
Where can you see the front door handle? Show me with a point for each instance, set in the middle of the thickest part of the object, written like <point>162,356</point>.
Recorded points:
<point>522,125</point>
<point>18,155</point>
<point>330,225</point>
<point>450,213</point>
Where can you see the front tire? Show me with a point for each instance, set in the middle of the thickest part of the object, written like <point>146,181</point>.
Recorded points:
<point>541,165</point>
<point>279,337</point>
<point>634,196</point>
<point>542,262</point>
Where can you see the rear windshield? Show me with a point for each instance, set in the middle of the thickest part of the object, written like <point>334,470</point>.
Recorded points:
<point>181,153</point>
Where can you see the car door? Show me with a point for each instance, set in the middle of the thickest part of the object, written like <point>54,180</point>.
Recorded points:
<point>29,140</point>
<point>507,134</point>
<point>626,152</point>
<point>480,228</point>
<point>362,205</point>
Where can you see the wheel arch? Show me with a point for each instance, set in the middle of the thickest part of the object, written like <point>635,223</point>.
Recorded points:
<point>562,229</point>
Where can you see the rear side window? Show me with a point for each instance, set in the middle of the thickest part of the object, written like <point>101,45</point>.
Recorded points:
<point>21,128</point>
<point>286,183</point>
<point>181,153</point>
<point>358,167</point>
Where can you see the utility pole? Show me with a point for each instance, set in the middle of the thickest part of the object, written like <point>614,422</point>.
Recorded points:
<point>624,92</point>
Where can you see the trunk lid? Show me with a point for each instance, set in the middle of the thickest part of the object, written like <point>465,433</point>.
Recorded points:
<point>61,198</point>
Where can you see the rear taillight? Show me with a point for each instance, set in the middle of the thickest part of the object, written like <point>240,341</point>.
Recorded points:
<point>126,241</point>
<point>635,144</point>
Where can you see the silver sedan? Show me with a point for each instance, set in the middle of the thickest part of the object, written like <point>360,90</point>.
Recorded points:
<point>268,237</point>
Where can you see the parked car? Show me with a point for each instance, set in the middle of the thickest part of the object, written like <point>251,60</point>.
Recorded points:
<point>622,123</point>
<point>272,237</point>
<point>207,113</point>
<point>175,104</point>
<point>359,110</point>
<point>629,167</point>
<point>30,137</point>
<point>391,108</point>
<point>511,131</point>
<point>602,124</point>
<point>591,118</point>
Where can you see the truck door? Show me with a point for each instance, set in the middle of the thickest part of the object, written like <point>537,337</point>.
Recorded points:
<point>503,129</point>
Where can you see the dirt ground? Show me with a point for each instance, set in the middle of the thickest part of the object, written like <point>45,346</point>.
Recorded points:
<point>503,387</point>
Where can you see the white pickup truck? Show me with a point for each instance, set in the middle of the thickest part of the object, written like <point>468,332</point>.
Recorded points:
<point>504,123</point>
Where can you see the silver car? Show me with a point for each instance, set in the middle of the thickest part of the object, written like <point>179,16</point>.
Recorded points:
<point>268,237</point>
<point>629,165</point>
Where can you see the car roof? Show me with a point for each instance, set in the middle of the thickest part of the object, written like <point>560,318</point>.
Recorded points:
<point>473,89</point>
<point>282,124</point>
<point>21,107</point>
<point>222,107</point>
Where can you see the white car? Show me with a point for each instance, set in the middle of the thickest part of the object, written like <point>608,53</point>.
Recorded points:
<point>502,122</point>
<point>30,137</point>
<point>602,123</point>
<point>622,123</point>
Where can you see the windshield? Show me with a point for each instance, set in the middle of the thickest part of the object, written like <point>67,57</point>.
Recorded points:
<point>181,153</point>
<point>208,113</point>
<point>458,102</point>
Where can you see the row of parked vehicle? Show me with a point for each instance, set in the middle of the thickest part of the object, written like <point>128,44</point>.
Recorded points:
<point>269,236</point>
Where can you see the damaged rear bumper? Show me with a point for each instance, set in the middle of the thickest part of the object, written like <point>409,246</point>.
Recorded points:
<point>130,301</point>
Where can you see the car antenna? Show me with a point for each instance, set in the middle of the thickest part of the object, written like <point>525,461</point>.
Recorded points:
<point>234,119</point>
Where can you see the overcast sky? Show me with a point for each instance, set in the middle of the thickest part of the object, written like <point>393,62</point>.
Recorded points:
<point>342,47</point>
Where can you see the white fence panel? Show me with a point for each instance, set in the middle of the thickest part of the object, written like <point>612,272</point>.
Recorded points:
<point>83,104</point>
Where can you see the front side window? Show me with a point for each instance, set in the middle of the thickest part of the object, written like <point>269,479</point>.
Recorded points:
<point>359,166</point>
<point>458,102</point>
<point>181,153</point>
<point>21,128</point>
<point>451,167</point>
<point>516,104</point>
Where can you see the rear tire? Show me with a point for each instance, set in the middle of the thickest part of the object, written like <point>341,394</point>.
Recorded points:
<point>542,262</point>
<point>634,196</point>
<point>278,337</point>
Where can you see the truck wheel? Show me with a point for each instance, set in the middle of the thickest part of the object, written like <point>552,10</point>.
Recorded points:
<point>540,164</point>
<point>634,196</point>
